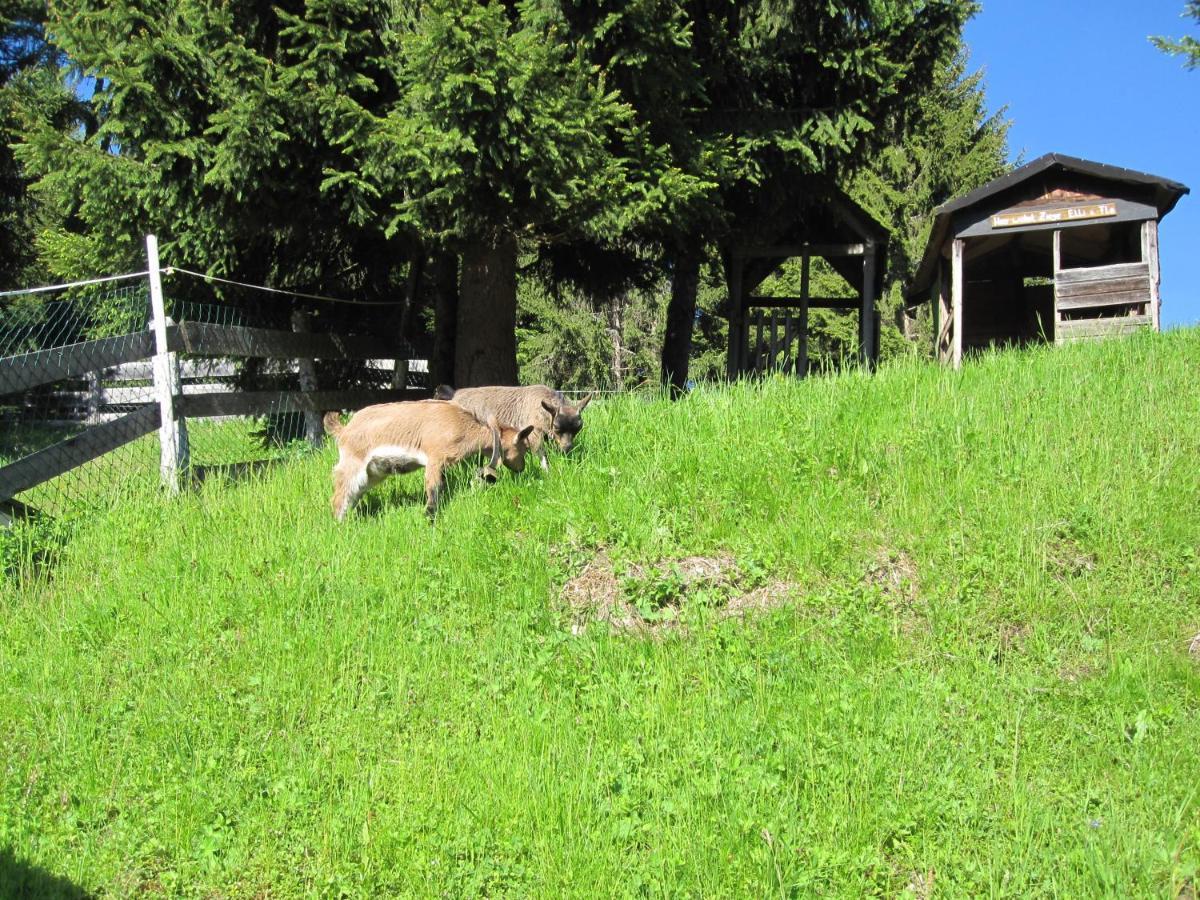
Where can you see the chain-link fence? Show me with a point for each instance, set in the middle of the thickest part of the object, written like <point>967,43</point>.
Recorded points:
<point>252,370</point>
<point>234,443</point>
<point>80,334</point>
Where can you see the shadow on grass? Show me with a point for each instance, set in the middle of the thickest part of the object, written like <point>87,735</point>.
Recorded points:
<point>393,494</point>
<point>384,499</point>
<point>235,472</point>
<point>29,882</point>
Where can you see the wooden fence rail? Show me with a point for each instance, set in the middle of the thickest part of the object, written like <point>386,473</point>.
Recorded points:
<point>169,385</point>
<point>29,370</point>
<point>57,459</point>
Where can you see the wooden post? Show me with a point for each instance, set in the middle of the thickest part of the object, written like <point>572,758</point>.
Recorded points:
<point>314,431</point>
<point>956,302</point>
<point>1150,257</point>
<point>758,342</point>
<point>737,334</point>
<point>788,359</point>
<point>802,361</point>
<point>866,323</point>
<point>172,432</point>
<point>1057,267</point>
<point>95,384</point>
<point>400,366</point>
<point>935,298</point>
<point>773,361</point>
<point>943,337</point>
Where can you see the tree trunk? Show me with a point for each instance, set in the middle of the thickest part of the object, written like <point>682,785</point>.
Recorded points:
<point>445,319</point>
<point>681,317</point>
<point>486,346</point>
<point>616,306</point>
<point>404,321</point>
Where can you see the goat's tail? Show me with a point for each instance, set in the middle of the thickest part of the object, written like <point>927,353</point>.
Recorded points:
<point>333,423</point>
<point>443,392</point>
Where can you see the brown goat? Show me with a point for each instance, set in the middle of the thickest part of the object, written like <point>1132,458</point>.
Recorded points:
<point>393,438</point>
<point>517,407</point>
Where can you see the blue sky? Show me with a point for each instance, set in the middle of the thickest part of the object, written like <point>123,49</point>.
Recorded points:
<point>1080,77</point>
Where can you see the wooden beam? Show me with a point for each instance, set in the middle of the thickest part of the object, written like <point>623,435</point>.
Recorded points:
<point>1106,298</point>
<point>1150,258</point>
<point>1102,273</point>
<point>956,302</point>
<point>28,370</point>
<point>1087,329</point>
<point>236,340</point>
<point>261,403</point>
<point>49,462</point>
<point>1068,289</point>
<point>774,251</point>
<point>847,303</point>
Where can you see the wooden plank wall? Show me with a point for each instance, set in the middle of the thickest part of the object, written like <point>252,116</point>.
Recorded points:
<point>1102,301</point>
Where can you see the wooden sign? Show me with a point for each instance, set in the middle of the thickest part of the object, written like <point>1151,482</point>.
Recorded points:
<point>1051,216</point>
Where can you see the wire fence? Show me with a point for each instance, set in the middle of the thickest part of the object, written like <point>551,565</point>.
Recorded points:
<point>231,443</point>
<point>105,404</point>
<point>34,327</point>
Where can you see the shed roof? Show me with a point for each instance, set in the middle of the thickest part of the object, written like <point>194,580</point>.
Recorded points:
<point>802,209</point>
<point>1166,195</point>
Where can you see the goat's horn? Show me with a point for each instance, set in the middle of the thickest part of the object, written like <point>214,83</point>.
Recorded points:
<point>495,442</point>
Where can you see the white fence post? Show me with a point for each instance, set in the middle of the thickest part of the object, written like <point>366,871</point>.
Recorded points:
<point>172,432</point>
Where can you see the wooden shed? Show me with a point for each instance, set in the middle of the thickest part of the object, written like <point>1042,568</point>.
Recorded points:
<point>803,218</point>
<point>1061,249</point>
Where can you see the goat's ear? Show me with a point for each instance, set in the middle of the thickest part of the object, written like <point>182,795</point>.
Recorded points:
<point>525,433</point>
<point>550,407</point>
<point>586,401</point>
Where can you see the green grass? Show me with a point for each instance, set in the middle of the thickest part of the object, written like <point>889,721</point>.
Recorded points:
<point>229,695</point>
<point>217,447</point>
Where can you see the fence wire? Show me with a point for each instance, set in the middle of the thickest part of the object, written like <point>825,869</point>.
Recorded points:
<point>233,444</point>
<point>98,336</point>
<point>83,331</point>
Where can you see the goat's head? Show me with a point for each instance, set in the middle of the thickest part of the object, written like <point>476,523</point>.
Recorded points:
<point>565,422</point>
<point>513,447</point>
<point>508,446</point>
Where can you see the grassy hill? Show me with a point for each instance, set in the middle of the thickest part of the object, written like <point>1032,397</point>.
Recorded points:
<point>925,633</point>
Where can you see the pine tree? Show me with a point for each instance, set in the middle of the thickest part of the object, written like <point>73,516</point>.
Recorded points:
<point>741,95</point>
<point>35,87</point>
<point>1187,46</point>
<point>218,127</point>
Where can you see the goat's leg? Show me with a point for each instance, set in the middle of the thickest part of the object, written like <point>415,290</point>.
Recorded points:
<point>537,444</point>
<point>349,481</point>
<point>434,482</point>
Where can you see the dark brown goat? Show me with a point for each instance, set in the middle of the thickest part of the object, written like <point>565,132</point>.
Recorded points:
<point>517,407</point>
